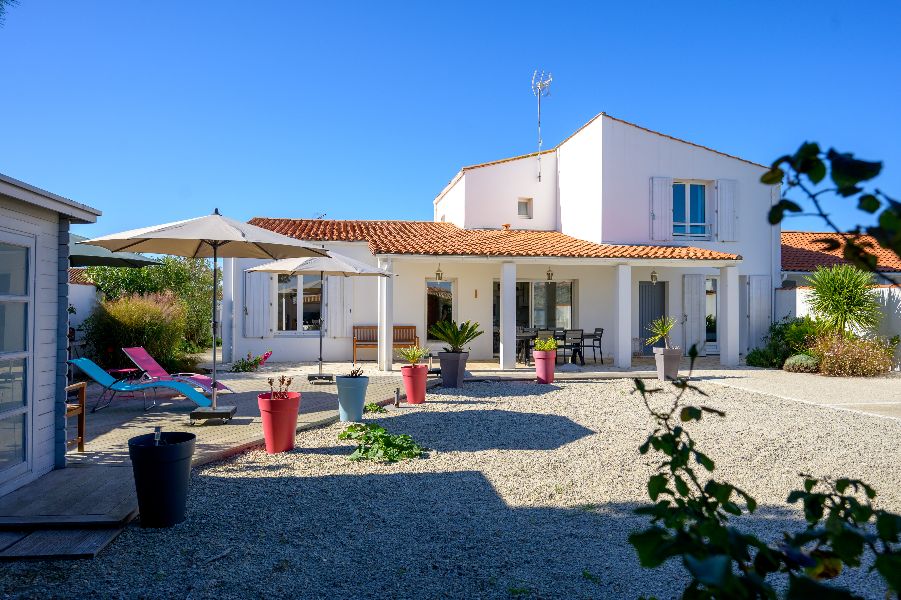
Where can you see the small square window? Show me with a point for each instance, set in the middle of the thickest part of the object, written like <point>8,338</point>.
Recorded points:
<point>524,208</point>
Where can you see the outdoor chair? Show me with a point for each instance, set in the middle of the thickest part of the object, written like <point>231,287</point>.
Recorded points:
<point>112,386</point>
<point>154,372</point>
<point>77,409</point>
<point>596,344</point>
<point>574,343</point>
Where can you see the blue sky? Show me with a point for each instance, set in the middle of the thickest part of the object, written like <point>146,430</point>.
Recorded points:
<point>159,111</point>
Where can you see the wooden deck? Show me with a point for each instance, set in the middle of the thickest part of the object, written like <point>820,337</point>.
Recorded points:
<point>75,512</point>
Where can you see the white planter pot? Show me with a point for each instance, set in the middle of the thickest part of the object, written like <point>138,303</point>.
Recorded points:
<point>667,360</point>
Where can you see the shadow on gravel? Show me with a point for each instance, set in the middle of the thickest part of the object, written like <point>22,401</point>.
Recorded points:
<point>475,430</point>
<point>487,389</point>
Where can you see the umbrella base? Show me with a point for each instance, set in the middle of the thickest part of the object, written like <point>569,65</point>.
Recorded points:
<point>204,413</point>
<point>321,377</point>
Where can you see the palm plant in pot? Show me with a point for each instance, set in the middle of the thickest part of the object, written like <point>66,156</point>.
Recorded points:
<point>352,395</point>
<point>414,374</point>
<point>668,357</point>
<point>453,359</point>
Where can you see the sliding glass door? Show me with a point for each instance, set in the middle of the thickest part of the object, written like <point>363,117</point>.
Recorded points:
<point>539,304</point>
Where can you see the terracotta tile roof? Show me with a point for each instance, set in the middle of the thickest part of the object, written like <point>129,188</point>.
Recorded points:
<point>446,239</point>
<point>79,276</point>
<point>802,252</point>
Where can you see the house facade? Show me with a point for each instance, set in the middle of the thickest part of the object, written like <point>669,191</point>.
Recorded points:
<point>616,226</point>
<point>34,260</point>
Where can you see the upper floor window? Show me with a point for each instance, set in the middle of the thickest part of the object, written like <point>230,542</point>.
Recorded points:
<point>524,208</point>
<point>690,210</point>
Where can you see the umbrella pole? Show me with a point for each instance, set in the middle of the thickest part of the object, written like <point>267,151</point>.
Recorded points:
<point>215,286</point>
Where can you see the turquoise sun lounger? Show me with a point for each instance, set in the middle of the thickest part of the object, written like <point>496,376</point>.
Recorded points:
<point>112,386</point>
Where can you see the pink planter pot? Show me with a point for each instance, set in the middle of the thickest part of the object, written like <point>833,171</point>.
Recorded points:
<point>414,382</point>
<point>279,421</point>
<point>544,365</point>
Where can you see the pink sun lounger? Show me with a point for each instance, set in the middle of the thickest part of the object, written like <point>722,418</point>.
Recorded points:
<point>154,372</point>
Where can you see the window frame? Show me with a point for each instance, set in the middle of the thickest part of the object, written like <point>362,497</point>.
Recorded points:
<point>688,223</point>
<point>27,408</point>
<point>530,203</point>
<point>425,310</point>
<point>323,309</point>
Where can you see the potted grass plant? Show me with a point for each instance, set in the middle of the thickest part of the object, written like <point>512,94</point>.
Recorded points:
<point>414,374</point>
<point>453,359</point>
<point>668,357</point>
<point>278,410</point>
<point>545,355</point>
<point>351,395</point>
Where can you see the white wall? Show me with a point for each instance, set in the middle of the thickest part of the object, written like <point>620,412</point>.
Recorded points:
<point>84,299</point>
<point>451,207</point>
<point>580,180</point>
<point>492,194</point>
<point>41,226</point>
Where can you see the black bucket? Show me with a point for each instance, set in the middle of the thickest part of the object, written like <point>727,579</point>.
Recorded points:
<point>162,475</point>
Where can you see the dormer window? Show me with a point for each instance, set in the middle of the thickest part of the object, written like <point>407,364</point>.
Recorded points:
<point>690,210</point>
<point>524,208</point>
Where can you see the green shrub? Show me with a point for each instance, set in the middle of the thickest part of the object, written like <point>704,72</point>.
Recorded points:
<point>785,338</point>
<point>802,363</point>
<point>247,365</point>
<point>545,345</point>
<point>847,356</point>
<point>154,321</point>
<point>374,442</point>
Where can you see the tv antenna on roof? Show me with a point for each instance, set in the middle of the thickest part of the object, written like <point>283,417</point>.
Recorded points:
<point>541,86</point>
<point>319,216</point>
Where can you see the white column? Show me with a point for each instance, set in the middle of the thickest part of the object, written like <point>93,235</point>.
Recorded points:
<point>386,319</point>
<point>622,318</point>
<point>508,315</point>
<point>228,309</point>
<point>730,316</point>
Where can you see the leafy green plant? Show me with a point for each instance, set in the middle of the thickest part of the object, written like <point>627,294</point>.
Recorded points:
<point>660,330</point>
<point>844,298</point>
<point>374,442</point>
<point>413,354</point>
<point>248,364</point>
<point>154,321</point>
<point>457,337</point>
<point>784,339</point>
<point>804,171</point>
<point>691,512</point>
<point>802,363</point>
<point>373,407</point>
<point>846,356</point>
<point>545,345</point>
<point>188,279</point>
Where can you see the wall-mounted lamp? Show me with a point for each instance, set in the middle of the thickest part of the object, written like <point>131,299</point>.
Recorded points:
<point>439,274</point>
<point>654,277</point>
<point>550,274</point>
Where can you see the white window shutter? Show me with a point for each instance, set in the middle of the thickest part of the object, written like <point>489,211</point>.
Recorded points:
<point>661,209</point>
<point>760,315</point>
<point>257,309</point>
<point>694,307</point>
<point>727,210</point>
<point>347,307</point>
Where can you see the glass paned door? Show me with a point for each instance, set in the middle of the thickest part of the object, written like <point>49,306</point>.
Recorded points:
<point>552,305</point>
<point>710,316</point>
<point>15,311</point>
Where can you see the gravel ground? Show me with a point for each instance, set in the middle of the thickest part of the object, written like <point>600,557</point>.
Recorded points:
<point>527,492</point>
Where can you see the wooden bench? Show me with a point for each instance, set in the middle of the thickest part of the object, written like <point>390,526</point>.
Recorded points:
<point>367,336</point>
<point>77,409</point>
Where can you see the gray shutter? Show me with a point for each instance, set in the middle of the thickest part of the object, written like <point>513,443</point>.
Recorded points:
<point>661,209</point>
<point>694,307</point>
<point>727,210</point>
<point>760,314</point>
<point>257,307</point>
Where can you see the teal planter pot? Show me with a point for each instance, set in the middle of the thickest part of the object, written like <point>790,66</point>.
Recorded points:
<point>351,397</point>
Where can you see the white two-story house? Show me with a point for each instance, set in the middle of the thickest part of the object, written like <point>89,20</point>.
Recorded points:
<point>622,226</point>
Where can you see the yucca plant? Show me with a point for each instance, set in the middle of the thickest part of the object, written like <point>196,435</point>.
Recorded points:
<point>844,299</point>
<point>660,330</point>
<point>455,336</point>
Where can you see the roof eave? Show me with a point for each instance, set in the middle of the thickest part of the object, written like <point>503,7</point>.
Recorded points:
<point>24,192</point>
